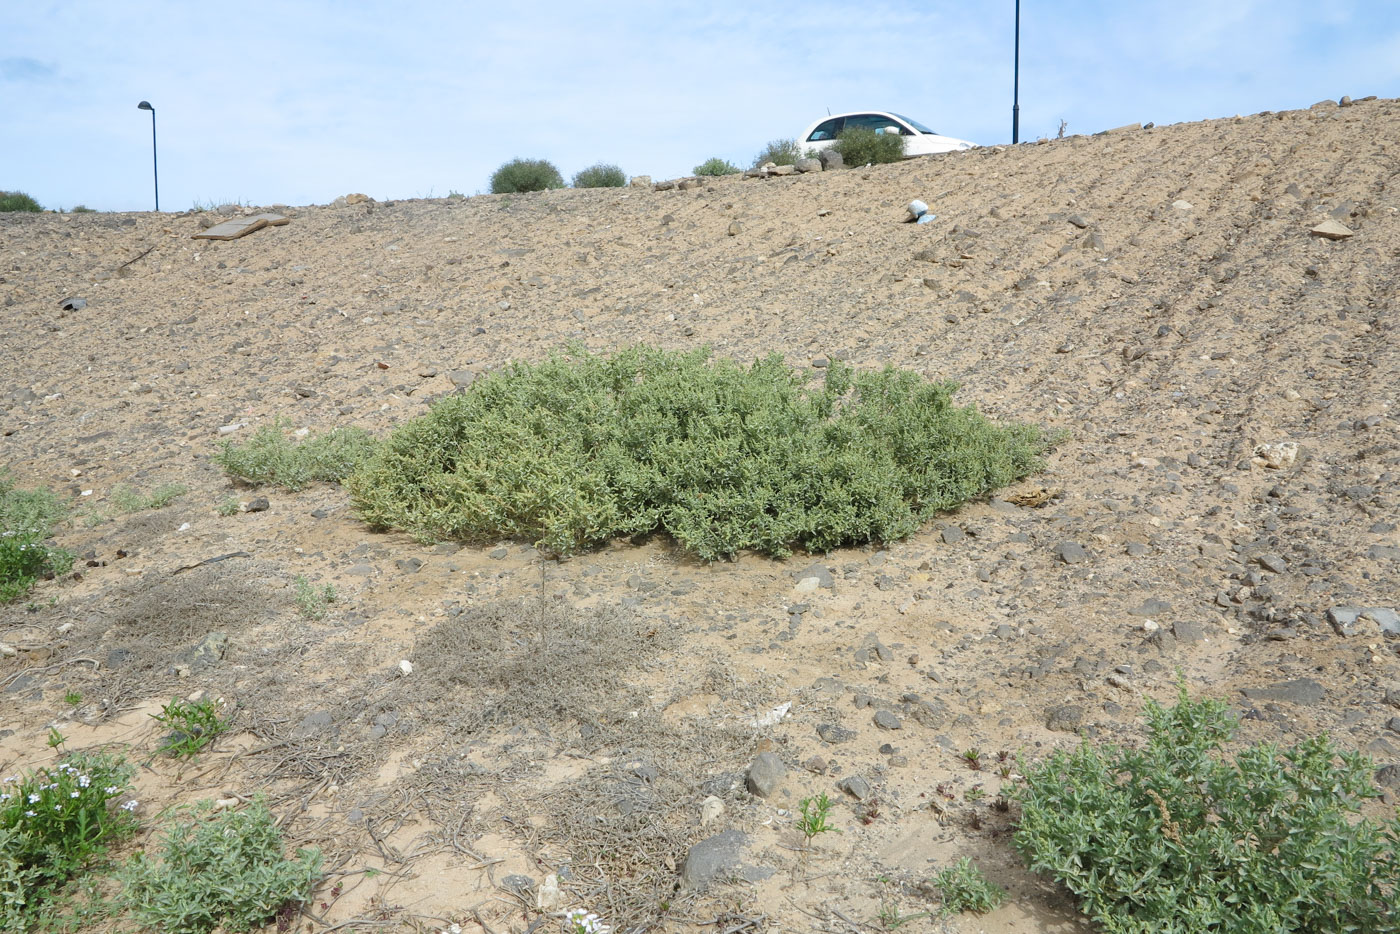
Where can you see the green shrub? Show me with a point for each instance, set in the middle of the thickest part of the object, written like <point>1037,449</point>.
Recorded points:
<point>192,725</point>
<point>218,869</point>
<point>27,519</point>
<point>54,822</point>
<point>962,887</point>
<point>1175,838</point>
<point>579,449</point>
<point>525,175</point>
<point>778,152</point>
<point>601,175</point>
<point>83,209</point>
<point>716,166</point>
<point>18,201</point>
<point>269,456</point>
<point>312,601</point>
<point>128,499</point>
<point>864,146</point>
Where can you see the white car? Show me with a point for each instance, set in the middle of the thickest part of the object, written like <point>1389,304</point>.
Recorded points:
<point>919,139</point>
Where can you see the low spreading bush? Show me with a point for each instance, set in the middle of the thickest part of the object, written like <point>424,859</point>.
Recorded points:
<point>778,152</point>
<point>601,175</point>
<point>716,166</point>
<point>83,209</point>
<point>962,887</point>
<point>215,869</point>
<point>55,822</point>
<point>525,175</point>
<point>864,146</point>
<point>27,519</point>
<point>577,450</point>
<point>18,201</point>
<point>1176,839</point>
<point>269,456</point>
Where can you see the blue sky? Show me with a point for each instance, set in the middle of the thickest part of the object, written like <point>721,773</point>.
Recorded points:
<point>300,101</point>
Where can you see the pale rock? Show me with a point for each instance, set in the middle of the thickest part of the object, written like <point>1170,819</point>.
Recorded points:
<point>1277,455</point>
<point>1332,230</point>
<point>711,810</point>
<point>1181,205</point>
<point>405,667</point>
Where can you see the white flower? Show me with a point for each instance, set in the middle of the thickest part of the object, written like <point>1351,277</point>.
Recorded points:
<point>111,789</point>
<point>84,781</point>
<point>28,813</point>
<point>129,806</point>
<point>72,794</point>
<point>34,799</point>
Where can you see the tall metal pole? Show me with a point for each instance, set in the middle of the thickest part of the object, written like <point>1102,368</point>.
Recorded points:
<point>1015,82</point>
<point>155,167</point>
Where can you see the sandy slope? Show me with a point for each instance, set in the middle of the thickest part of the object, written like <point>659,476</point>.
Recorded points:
<point>1155,292</point>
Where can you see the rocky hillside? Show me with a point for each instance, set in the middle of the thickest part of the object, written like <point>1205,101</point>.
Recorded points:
<point>1207,309</point>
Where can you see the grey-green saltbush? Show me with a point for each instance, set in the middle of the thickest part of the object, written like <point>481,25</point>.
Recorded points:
<point>864,146</point>
<point>716,166</point>
<point>18,201</point>
<point>1173,838</point>
<point>525,175</point>
<point>577,450</point>
<point>269,456</point>
<point>601,175</point>
<point>778,152</point>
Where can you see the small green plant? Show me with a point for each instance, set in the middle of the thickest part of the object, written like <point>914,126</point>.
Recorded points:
<point>56,738</point>
<point>525,175</point>
<point>973,757</point>
<point>27,519</point>
<point>73,698</point>
<point>270,457</point>
<point>193,725</point>
<point>974,794</point>
<point>228,506</point>
<point>129,499</point>
<point>578,450</point>
<point>962,887</point>
<point>54,823</point>
<point>83,209</point>
<point>864,146</point>
<point>214,869</point>
<point>455,195</point>
<point>1176,837</point>
<point>601,175</point>
<point>312,601</point>
<point>813,819</point>
<point>18,201</point>
<point>778,152</point>
<point>716,166</point>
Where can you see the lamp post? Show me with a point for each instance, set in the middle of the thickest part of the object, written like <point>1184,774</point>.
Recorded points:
<point>155,169</point>
<point>1015,82</point>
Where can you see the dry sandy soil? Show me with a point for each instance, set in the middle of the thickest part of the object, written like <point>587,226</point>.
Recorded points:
<point>1155,292</point>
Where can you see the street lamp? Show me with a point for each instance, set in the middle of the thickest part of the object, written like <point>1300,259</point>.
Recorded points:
<point>155,170</point>
<point>1015,82</point>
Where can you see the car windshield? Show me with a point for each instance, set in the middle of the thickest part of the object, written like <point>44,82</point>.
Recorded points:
<point>916,124</point>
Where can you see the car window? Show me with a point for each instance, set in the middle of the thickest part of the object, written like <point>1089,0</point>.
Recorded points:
<point>876,122</point>
<point>827,130</point>
<point>917,125</point>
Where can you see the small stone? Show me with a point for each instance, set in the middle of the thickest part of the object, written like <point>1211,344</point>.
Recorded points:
<point>1066,718</point>
<point>783,170</point>
<point>830,159</point>
<point>856,787</point>
<point>1187,631</point>
<point>259,504</point>
<point>713,858</point>
<point>1272,563</point>
<point>1071,552</point>
<point>1332,230</point>
<point>1181,205</point>
<point>834,733</point>
<point>1298,691</point>
<point>1388,776</point>
<point>952,535</point>
<point>735,228</point>
<point>808,165</point>
<point>1393,724</point>
<point>462,378</point>
<point>886,720</point>
<point>711,810</point>
<point>817,765</point>
<point>640,181</point>
<point>764,775</point>
<point>498,552</point>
